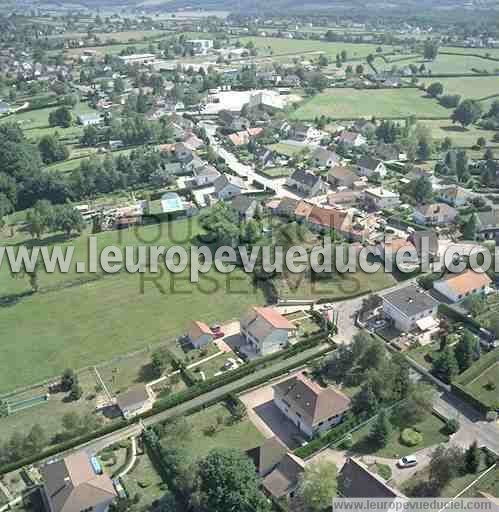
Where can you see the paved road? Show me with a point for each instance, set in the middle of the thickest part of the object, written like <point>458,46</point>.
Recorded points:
<point>246,171</point>
<point>472,427</point>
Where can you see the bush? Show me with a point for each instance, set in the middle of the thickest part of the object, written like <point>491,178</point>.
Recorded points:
<point>451,426</point>
<point>411,437</point>
<point>347,443</point>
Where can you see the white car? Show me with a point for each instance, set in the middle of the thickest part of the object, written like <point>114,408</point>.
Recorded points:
<point>407,462</point>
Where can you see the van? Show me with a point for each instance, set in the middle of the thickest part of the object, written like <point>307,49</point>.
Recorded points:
<point>407,462</point>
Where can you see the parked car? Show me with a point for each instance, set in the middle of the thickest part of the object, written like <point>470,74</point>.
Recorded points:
<point>407,462</point>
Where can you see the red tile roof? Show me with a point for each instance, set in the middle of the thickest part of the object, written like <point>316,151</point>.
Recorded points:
<point>273,317</point>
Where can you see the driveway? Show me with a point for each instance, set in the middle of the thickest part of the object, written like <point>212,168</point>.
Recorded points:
<point>267,418</point>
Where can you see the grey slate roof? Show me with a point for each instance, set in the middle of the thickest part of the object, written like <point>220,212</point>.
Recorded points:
<point>136,395</point>
<point>242,203</point>
<point>368,162</point>
<point>267,455</point>
<point>410,300</point>
<point>306,178</point>
<point>359,482</point>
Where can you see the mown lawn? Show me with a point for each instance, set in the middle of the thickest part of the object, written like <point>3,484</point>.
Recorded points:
<point>239,436</point>
<point>430,428</point>
<point>354,103</point>
<point>486,386</point>
<point>285,149</point>
<point>76,320</point>
<point>144,480</point>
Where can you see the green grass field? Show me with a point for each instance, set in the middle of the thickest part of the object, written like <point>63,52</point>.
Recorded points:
<point>35,123</point>
<point>239,436</point>
<point>480,387</point>
<point>353,103</point>
<point>285,149</point>
<point>447,64</point>
<point>337,287</point>
<point>430,428</point>
<point>274,45</point>
<point>468,87</point>
<point>461,137</point>
<point>48,414</point>
<point>76,323</point>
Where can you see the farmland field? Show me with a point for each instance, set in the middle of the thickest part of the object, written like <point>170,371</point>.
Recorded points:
<point>35,123</point>
<point>280,45</point>
<point>354,103</point>
<point>337,287</point>
<point>461,137</point>
<point>468,87</point>
<point>451,64</point>
<point>122,37</point>
<point>76,320</point>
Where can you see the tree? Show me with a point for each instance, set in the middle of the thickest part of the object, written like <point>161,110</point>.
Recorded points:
<point>76,392</point>
<point>52,150</point>
<point>119,86</point>
<point>435,89</point>
<point>323,61</point>
<point>365,402</point>
<point>470,228</point>
<point>60,117</point>
<point>466,113</point>
<point>444,365</point>
<point>222,221</point>
<point>317,485</point>
<point>228,482</point>
<point>418,404</point>
<point>160,361</point>
<point>472,458</point>
<point>359,69</point>
<point>36,440</point>
<point>381,429</point>
<point>462,165</point>
<point>369,304</point>
<point>68,379</point>
<point>420,189</point>
<point>6,207</point>
<point>430,49</point>
<point>90,136</point>
<point>465,351</point>
<point>445,464</point>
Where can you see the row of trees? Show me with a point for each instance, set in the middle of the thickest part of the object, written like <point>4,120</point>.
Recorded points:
<point>45,216</point>
<point>455,357</point>
<point>383,379</point>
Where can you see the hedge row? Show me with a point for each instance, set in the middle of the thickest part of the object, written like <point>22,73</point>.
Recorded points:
<point>449,312</point>
<point>476,369</point>
<point>206,386</point>
<point>184,396</point>
<point>331,436</point>
<point>465,394</point>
